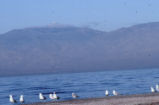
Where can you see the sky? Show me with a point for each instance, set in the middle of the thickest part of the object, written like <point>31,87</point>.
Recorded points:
<point>103,15</point>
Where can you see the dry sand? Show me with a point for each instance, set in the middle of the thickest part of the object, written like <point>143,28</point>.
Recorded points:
<point>141,99</point>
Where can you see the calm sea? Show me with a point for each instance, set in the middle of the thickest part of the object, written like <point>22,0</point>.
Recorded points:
<point>91,84</point>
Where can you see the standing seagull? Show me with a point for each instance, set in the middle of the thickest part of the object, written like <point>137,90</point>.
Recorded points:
<point>11,99</point>
<point>157,87</point>
<point>152,89</point>
<point>74,95</point>
<point>107,93</point>
<point>55,96</point>
<point>115,93</point>
<point>51,96</point>
<point>21,99</point>
<point>41,97</point>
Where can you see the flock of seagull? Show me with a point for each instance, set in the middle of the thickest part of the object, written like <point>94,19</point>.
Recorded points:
<point>54,96</point>
<point>156,89</point>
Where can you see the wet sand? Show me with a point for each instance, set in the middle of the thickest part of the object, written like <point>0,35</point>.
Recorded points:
<point>140,99</point>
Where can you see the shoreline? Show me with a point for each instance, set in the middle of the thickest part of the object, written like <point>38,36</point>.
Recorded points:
<point>137,99</point>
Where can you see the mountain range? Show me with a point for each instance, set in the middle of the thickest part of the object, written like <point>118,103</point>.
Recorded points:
<point>63,49</point>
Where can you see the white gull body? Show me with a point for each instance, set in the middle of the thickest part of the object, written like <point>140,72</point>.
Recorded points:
<point>152,89</point>
<point>157,87</point>
<point>55,96</point>
<point>51,96</point>
<point>11,99</point>
<point>41,97</point>
<point>21,99</point>
<point>115,93</point>
<point>74,95</point>
<point>107,93</point>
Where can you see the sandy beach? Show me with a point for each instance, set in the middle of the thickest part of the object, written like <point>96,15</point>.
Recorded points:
<point>140,99</point>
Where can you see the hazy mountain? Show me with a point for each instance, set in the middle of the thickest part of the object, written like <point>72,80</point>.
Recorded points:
<point>76,49</point>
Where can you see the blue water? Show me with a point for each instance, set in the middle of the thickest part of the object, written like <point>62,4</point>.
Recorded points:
<point>86,85</point>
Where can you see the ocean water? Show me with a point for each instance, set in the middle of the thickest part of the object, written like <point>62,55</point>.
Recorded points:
<point>86,85</point>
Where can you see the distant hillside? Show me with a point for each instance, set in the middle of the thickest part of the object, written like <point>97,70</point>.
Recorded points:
<point>76,49</point>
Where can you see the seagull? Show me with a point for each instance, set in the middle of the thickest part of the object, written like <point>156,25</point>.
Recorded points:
<point>157,87</point>
<point>54,96</point>
<point>115,93</point>
<point>51,96</point>
<point>74,95</point>
<point>21,99</point>
<point>107,93</point>
<point>152,89</point>
<point>41,97</point>
<point>11,99</point>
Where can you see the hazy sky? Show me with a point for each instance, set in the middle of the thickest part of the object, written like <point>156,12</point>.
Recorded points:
<point>100,14</point>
